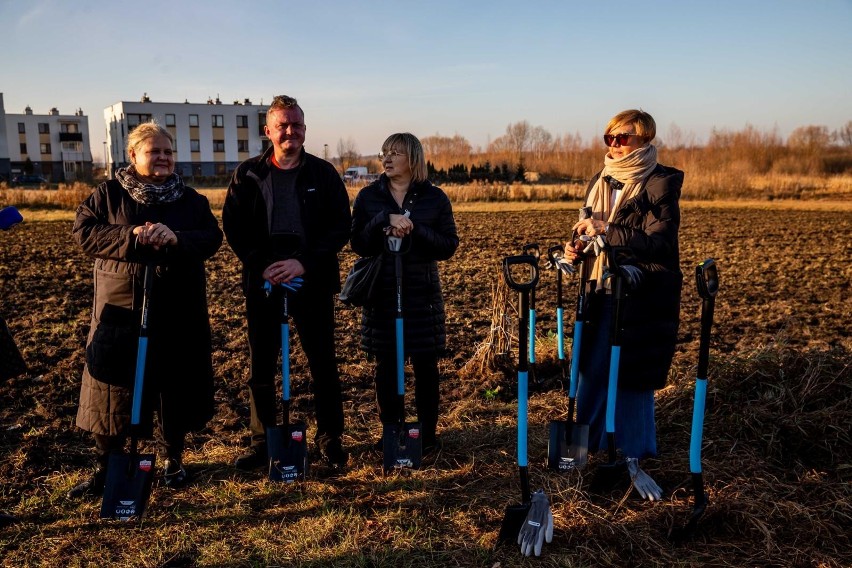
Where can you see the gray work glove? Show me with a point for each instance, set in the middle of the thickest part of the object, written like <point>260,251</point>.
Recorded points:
<point>643,482</point>
<point>594,245</point>
<point>633,275</point>
<point>538,526</point>
<point>563,265</point>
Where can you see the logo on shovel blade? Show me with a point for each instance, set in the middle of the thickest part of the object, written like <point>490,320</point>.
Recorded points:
<point>414,433</point>
<point>297,435</point>
<point>145,465</point>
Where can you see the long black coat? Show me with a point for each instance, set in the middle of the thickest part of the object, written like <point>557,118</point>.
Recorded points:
<point>179,366</point>
<point>434,238</point>
<point>648,226</point>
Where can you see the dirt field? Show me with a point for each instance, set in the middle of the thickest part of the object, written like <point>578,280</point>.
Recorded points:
<point>784,307</point>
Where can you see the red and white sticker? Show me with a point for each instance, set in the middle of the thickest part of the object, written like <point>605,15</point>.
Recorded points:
<point>297,435</point>
<point>145,465</point>
<point>414,433</point>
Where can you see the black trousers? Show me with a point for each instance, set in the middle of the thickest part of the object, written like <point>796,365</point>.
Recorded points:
<point>312,315</point>
<point>426,391</point>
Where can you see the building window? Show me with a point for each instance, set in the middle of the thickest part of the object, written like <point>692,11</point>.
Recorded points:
<point>242,121</point>
<point>134,120</point>
<point>193,120</point>
<point>242,146</point>
<point>44,148</point>
<point>194,146</point>
<point>218,145</point>
<point>43,128</point>
<point>23,147</point>
<point>71,146</point>
<point>22,128</point>
<point>218,121</point>
<point>69,127</point>
<point>221,170</point>
<point>170,120</point>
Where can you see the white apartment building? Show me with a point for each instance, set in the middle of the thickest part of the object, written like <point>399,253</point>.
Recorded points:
<point>211,139</point>
<point>53,145</point>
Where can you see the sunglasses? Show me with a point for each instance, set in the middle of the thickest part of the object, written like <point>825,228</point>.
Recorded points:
<point>620,139</point>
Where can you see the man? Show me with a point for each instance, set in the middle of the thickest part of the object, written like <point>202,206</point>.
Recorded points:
<point>287,216</point>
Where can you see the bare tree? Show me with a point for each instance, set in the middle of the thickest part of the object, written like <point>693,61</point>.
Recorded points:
<point>347,151</point>
<point>845,134</point>
<point>518,136</point>
<point>815,138</point>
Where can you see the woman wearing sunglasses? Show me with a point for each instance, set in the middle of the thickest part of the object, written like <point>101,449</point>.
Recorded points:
<point>634,222</point>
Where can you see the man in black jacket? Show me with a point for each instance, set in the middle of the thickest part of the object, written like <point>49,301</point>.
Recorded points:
<point>287,216</point>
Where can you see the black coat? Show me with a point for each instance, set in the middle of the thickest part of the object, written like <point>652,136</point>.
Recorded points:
<point>648,226</point>
<point>433,238</point>
<point>247,219</point>
<point>179,365</point>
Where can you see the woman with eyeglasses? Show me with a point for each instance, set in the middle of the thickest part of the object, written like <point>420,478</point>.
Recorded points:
<point>634,222</point>
<point>403,203</point>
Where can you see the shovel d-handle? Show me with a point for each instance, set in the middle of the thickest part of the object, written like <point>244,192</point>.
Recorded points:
<point>520,285</point>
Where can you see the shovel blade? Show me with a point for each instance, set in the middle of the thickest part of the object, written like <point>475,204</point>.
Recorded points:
<point>513,521</point>
<point>563,456</point>
<point>608,476</point>
<point>402,448</point>
<point>128,486</point>
<point>288,452</point>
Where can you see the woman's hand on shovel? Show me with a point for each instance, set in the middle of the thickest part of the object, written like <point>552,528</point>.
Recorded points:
<point>538,525</point>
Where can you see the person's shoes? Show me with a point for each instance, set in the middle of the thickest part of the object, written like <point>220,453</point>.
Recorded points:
<point>174,474</point>
<point>94,486</point>
<point>254,458</point>
<point>334,453</point>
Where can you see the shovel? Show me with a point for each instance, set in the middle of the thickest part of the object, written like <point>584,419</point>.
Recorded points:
<point>532,250</point>
<point>568,444</point>
<point>516,514</point>
<point>707,281</point>
<point>287,444</point>
<point>608,474</point>
<point>402,446</point>
<point>129,477</point>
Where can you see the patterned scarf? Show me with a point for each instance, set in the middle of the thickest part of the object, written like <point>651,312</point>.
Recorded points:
<point>627,174</point>
<point>148,193</point>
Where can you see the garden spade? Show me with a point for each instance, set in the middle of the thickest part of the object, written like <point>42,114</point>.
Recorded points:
<point>707,281</point>
<point>402,446</point>
<point>568,443</point>
<point>130,476</point>
<point>516,515</point>
<point>287,444</point>
<point>532,250</point>
<point>608,474</point>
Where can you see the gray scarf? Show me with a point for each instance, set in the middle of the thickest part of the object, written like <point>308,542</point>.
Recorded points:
<point>148,193</point>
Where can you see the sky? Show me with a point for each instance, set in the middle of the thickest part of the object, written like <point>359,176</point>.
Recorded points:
<point>365,69</point>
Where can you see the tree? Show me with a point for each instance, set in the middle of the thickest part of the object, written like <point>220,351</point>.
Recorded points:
<point>813,138</point>
<point>347,151</point>
<point>518,136</point>
<point>845,134</point>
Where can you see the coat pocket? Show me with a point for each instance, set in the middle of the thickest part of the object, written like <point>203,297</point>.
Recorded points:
<point>111,353</point>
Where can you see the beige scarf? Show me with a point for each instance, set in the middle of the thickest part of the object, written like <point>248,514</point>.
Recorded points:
<point>631,170</point>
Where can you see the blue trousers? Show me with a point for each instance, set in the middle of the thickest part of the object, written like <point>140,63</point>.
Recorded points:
<point>635,429</point>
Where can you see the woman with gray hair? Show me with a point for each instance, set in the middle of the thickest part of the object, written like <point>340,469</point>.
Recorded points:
<point>147,217</point>
<point>404,204</point>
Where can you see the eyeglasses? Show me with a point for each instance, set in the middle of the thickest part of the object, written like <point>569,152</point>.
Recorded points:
<point>620,139</point>
<point>392,154</point>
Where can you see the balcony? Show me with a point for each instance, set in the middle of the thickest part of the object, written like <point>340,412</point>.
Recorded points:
<point>70,136</point>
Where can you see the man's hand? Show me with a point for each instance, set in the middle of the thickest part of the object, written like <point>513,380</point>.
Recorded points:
<point>282,271</point>
<point>538,526</point>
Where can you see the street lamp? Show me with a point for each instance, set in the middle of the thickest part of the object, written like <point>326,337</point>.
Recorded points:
<point>106,175</point>
<point>325,152</point>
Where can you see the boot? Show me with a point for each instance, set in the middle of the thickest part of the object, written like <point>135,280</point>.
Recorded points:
<point>94,486</point>
<point>174,475</point>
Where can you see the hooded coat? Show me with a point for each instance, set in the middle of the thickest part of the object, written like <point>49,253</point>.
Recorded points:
<point>178,371</point>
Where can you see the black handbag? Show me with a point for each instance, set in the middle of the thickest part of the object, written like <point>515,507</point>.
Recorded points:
<point>359,288</point>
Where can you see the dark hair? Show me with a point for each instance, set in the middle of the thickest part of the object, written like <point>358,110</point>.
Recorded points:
<point>281,102</point>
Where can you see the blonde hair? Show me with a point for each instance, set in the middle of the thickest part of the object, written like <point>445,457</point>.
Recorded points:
<point>639,119</point>
<point>144,131</point>
<point>409,144</point>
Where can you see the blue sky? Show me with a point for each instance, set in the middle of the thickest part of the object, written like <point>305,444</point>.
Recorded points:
<point>365,69</point>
